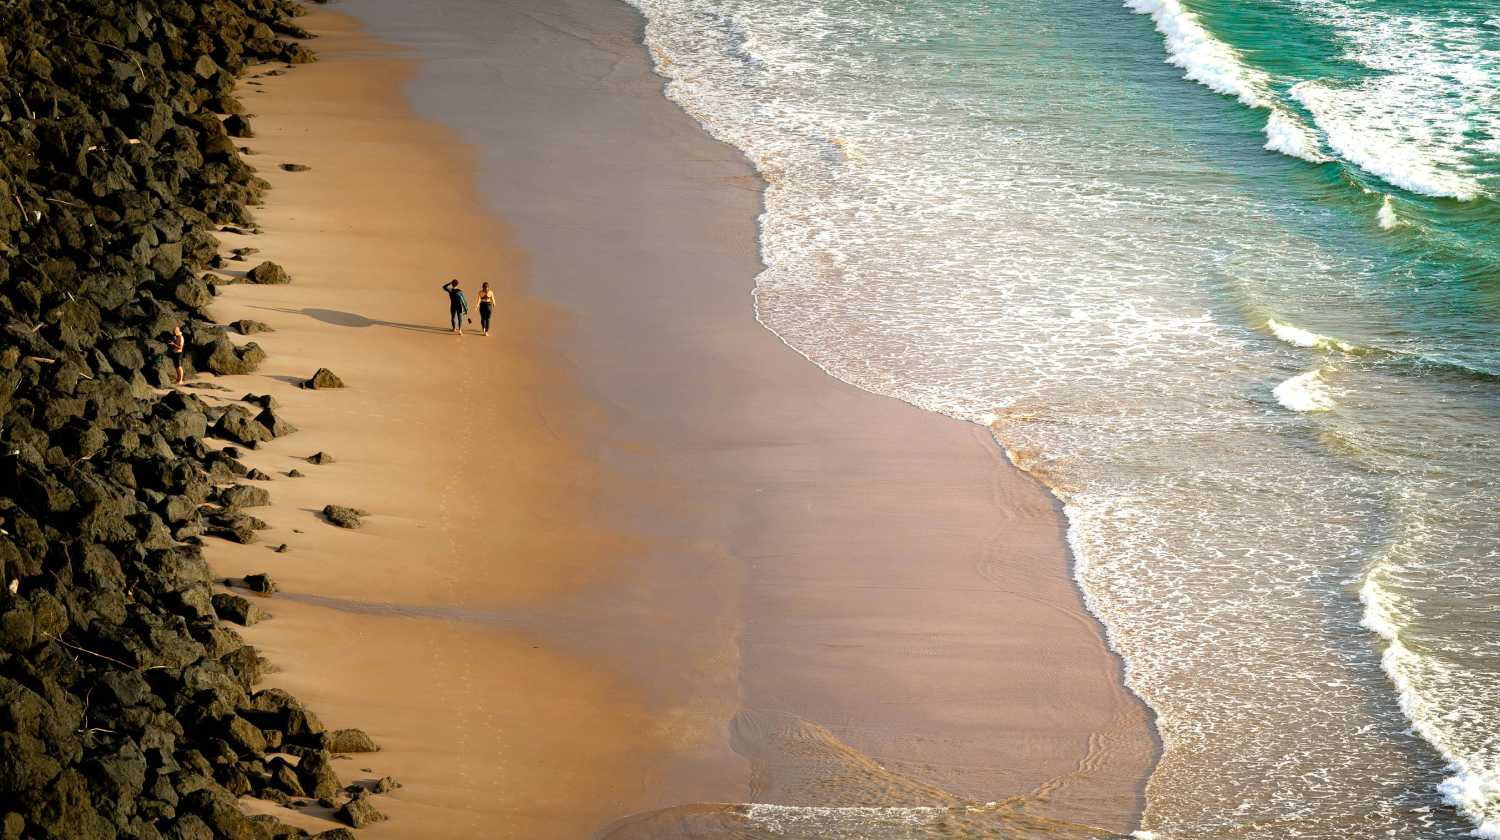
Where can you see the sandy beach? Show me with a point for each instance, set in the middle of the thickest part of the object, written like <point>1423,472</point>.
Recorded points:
<point>630,552</point>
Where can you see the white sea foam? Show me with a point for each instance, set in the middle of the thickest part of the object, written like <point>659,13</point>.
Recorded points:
<point>1386,216</point>
<point>1305,392</point>
<point>1296,336</point>
<point>1423,688</point>
<point>1353,125</point>
<point>1421,122</point>
<point>1202,57</point>
<point>1286,134</point>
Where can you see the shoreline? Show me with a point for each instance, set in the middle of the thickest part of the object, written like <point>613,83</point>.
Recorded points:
<point>784,501</point>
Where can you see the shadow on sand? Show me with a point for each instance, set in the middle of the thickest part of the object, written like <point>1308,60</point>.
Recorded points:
<point>349,319</point>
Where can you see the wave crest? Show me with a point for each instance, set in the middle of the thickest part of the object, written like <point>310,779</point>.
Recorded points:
<point>1305,392</point>
<point>1202,57</point>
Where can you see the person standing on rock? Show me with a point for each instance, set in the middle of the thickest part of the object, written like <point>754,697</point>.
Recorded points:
<point>458,305</point>
<point>177,347</point>
<point>486,306</point>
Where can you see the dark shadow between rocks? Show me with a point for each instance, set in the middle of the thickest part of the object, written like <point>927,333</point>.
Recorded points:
<point>339,318</point>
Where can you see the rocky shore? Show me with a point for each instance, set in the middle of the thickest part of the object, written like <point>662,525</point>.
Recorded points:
<point>128,706</point>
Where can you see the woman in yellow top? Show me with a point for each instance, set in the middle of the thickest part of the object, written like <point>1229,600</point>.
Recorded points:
<point>486,306</point>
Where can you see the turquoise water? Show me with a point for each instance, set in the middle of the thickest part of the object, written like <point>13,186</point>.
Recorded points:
<point>1237,307</point>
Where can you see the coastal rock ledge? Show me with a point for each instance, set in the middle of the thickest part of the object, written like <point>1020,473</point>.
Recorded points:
<point>128,708</point>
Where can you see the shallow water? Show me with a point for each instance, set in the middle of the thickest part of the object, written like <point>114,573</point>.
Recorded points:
<point>1237,307</point>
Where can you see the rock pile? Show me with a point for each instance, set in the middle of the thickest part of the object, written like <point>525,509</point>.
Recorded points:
<point>127,706</point>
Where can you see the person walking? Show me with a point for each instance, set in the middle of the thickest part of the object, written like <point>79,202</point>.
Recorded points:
<point>458,305</point>
<point>486,306</point>
<point>176,347</point>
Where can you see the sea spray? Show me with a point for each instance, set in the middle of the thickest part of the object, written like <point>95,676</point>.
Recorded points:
<point>1386,216</point>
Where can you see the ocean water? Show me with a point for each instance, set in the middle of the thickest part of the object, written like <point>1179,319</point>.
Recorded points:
<point>1225,275</point>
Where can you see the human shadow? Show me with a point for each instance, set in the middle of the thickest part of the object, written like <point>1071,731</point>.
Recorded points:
<point>340,318</point>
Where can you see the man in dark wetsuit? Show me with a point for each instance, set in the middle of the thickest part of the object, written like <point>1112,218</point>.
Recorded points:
<point>458,306</point>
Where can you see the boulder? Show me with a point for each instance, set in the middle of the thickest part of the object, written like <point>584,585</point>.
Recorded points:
<point>358,813</point>
<point>349,741</point>
<point>238,125</point>
<point>237,609</point>
<point>275,422</point>
<point>284,776</point>
<point>268,274</point>
<point>324,378</point>
<point>244,736</point>
<point>246,326</point>
<point>225,359</point>
<point>261,583</point>
<point>235,527</point>
<point>244,496</point>
<point>315,772</point>
<point>344,517</point>
<point>238,425</point>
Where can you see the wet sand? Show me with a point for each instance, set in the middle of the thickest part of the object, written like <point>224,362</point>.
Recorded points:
<point>631,552</point>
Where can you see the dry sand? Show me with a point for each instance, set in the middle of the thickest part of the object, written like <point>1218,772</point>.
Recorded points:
<point>463,449</point>
<point>630,552</point>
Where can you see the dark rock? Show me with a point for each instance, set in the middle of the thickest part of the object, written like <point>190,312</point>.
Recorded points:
<point>344,517</point>
<point>385,784</point>
<point>294,473</point>
<point>225,359</point>
<point>120,689</point>
<point>323,378</point>
<point>245,736</point>
<point>238,125</point>
<point>236,608</point>
<point>235,527</point>
<point>315,772</point>
<point>275,422</point>
<point>221,813</point>
<point>359,813</point>
<point>244,496</point>
<point>238,425</point>
<point>284,776</point>
<point>245,326</point>
<point>261,583</point>
<point>268,274</point>
<point>320,458</point>
<point>335,834</point>
<point>295,167</point>
<point>349,741</point>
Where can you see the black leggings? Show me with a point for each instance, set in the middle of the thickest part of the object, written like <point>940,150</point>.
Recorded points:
<point>457,316</point>
<point>484,316</point>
